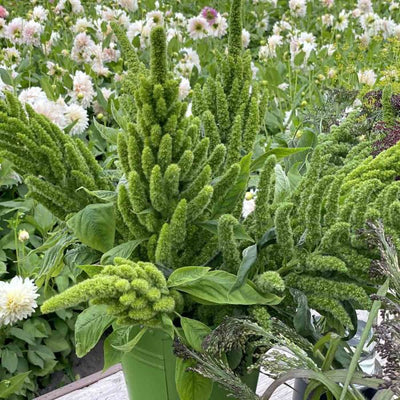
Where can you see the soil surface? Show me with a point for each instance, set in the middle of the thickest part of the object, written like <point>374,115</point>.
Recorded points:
<point>81,367</point>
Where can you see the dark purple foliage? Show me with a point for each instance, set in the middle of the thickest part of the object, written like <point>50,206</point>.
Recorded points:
<point>391,137</point>
<point>396,102</point>
<point>374,98</point>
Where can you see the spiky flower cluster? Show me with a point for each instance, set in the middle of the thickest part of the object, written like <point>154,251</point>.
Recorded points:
<point>53,164</point>
<point>318,248</point>
<point>179,169</point>
<point>229,105</point>
<point>136,293</point>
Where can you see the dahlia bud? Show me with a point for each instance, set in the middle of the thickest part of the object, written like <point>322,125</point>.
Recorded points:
<point>249,195</point>
<point>23,235</point>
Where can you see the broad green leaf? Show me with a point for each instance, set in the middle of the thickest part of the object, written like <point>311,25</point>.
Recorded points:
<point>3,268</point>
<point>279,152</point>
<point>189,384</point>
<point>43,220</point>
<point>186,275</point>
<point>351,310</point>
<point>43,352</point>
<point>95,226</point>
<point>118,337</point>
<point>228,203</point>
<point>268,238</point>
<point>105,195</point>
<point>249,257</point>
<point>215,286</point>
<point>22,205</point>
<point>91,270</point>
<point>195,332</point>
<point>239,231</point>
<point>9,360</point>
<point>9,386</point>
<point>302,318</point>
<point>57,343</point>
<point>119,117</point>
<point>129,346</point>
<point>54,249</point>
<point>89,326</point>
<point>6,77</point>
<point>22,335</point>
<point>294,176</point>
<point>282,184</point>
<point>47,369</point>
<point>109,134</point>
<point>100,97</point>
<point>37,327</point>
<point>35,359</point>
<point>124,250</point>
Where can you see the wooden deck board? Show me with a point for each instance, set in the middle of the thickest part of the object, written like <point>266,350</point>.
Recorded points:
<point>111,386</point>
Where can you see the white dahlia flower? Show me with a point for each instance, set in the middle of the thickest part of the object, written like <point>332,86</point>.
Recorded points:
<point>17,300</point>
<point>77,113</point>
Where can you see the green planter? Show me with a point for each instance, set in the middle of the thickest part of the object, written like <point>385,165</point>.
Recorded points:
<point>149,370</point>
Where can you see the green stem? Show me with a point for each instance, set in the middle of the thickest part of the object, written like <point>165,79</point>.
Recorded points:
<point>17,250</point>
<point>376,305</point>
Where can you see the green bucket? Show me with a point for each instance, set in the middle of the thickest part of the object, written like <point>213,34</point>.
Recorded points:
<point>149,370</point>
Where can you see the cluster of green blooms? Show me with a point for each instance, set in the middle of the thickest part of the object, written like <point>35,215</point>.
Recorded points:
<point>229,105</point>
<point>54,165</point>
<point>179,169</point>
<point>319,250</point>
<point>318,247</point>
<point>135,293</point>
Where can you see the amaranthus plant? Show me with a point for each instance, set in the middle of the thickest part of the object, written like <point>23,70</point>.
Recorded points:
<point>319,252</point>
<point>182,182</point>
<point>54,165</point>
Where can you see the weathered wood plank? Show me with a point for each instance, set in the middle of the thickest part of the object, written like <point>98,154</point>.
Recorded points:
<point>111,386</point>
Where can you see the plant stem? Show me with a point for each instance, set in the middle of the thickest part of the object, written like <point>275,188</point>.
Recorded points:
<point>376,305</point>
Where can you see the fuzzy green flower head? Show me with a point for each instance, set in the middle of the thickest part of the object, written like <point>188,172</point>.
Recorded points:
<point>269,281</point>
<point>136,293</point>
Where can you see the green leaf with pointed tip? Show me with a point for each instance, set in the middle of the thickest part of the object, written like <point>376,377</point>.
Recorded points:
<point>109,134</point>
<point>214,287</point>
<point>189,384</point>
<point>249,257</point>
<point>239,231</point>
<point>90,325</point>
<point>12,385</point>
<point>124,250</point>
<point>129,346</point>
<point>117,338</point>
<point>279,152</point>
<point>9,360</point>
<point>105,195</point>
<point>195,332</point>
<point>185,275</point>
<point>91,270</point>
<point>95,226</point>
<point>119,117</point>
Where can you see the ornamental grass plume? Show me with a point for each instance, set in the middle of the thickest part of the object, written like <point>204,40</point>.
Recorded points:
<point>17,300</point>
